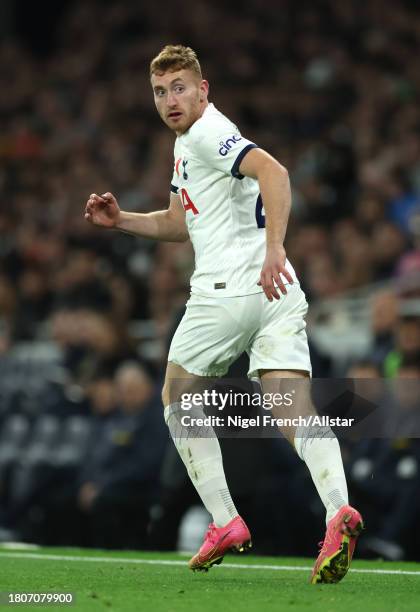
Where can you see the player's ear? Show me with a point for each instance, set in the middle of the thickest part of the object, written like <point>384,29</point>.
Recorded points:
<point>204,90</point>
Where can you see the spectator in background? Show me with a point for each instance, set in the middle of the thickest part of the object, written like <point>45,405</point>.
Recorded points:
<point>8,300</point>
<point>405,419</point>
<point>384,478</point>
<point>34,298</point>
<point>118,481</point>
<point>403,201</point>
<point>90,341</point>
<point>385,470</point>
<point>383,318</point>
<point>406,344</point>
<point>369,396</point>
<point>104,500</point>
<point>408,275</point>
<point>364,370</point>
<point>78,285</point>
<point>58,501</point>
<point>388,243</point>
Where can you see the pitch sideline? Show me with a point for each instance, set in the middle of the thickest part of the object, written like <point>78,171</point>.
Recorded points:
<point>287,568</point>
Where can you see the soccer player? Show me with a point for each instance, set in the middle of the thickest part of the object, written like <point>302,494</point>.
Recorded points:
<point>232,199</point>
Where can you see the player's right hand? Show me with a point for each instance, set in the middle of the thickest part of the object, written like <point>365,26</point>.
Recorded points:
<point>102,210</point>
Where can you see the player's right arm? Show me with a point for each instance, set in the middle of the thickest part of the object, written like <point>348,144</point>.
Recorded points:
<point>168,225</point>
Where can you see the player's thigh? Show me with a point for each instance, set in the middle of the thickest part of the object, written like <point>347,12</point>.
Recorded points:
<point>211,335</point>
<point>280,342</point>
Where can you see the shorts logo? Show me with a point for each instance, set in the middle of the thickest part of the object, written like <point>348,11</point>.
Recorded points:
<point>225,147</point>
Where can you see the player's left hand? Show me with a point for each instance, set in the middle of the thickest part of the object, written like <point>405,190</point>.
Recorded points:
<point>274,268</point>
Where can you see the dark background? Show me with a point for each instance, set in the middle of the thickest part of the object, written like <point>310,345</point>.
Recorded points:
<point>332,91</point>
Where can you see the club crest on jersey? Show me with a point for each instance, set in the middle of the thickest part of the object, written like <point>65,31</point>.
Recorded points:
<point>225,147</point>
<point>184,172</point>
<point>184,164</point>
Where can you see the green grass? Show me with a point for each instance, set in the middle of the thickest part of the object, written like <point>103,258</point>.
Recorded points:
<point>116,581</point>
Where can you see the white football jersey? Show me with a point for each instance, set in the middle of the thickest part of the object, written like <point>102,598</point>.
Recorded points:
<point>224,211</point>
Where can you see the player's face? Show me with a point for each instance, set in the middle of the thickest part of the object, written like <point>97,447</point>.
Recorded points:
<point>180,98</point>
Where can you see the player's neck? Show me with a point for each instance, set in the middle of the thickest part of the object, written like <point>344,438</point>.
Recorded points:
<point>204,104</point>
<point>203,107</point>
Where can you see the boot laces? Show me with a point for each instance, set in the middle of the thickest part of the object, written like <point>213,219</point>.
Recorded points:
<point>211,533</point>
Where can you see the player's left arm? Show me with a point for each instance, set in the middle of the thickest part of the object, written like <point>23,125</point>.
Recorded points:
<point>273,180</point>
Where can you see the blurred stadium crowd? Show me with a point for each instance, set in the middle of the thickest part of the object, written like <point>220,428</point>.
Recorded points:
<point>331,90</point>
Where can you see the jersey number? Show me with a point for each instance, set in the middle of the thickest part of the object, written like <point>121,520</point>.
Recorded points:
<point>187,203</point>
<point>259,212</point>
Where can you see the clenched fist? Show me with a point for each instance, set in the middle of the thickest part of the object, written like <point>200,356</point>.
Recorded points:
<point>102,210</point>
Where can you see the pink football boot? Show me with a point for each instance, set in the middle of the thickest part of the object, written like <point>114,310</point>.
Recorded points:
<point>233,536</point>
<point>338,547</point>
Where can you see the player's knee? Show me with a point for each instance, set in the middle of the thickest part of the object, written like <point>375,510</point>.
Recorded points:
<point>165,394</point>
<point>170,393</point>
<point>305,436</point>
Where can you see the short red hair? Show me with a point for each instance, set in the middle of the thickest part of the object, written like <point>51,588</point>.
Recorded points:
<point>173,58</point>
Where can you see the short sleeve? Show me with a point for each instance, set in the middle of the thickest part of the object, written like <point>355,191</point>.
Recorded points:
<point>222,147</point>
<point>174,181</point>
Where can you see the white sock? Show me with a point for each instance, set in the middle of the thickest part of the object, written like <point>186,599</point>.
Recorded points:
<point>319,448</point>
<point>199,449</point>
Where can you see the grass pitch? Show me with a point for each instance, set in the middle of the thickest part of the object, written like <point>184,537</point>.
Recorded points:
<point>158,582</point>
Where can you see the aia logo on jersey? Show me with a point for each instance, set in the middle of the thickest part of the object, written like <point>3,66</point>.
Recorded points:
<point>186,201</point>
<point>225,147</point>
<point>184,164</point>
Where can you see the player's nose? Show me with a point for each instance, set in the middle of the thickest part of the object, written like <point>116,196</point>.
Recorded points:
<point>171,100</point>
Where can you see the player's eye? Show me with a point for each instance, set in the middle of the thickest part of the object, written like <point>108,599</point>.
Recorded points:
<point>159,92</point>
<point>179,89</point>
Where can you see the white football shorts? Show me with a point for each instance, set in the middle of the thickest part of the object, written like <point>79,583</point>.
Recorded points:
<point>215,331</point>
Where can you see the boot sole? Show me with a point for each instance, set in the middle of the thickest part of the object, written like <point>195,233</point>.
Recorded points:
<point>336,567</point>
